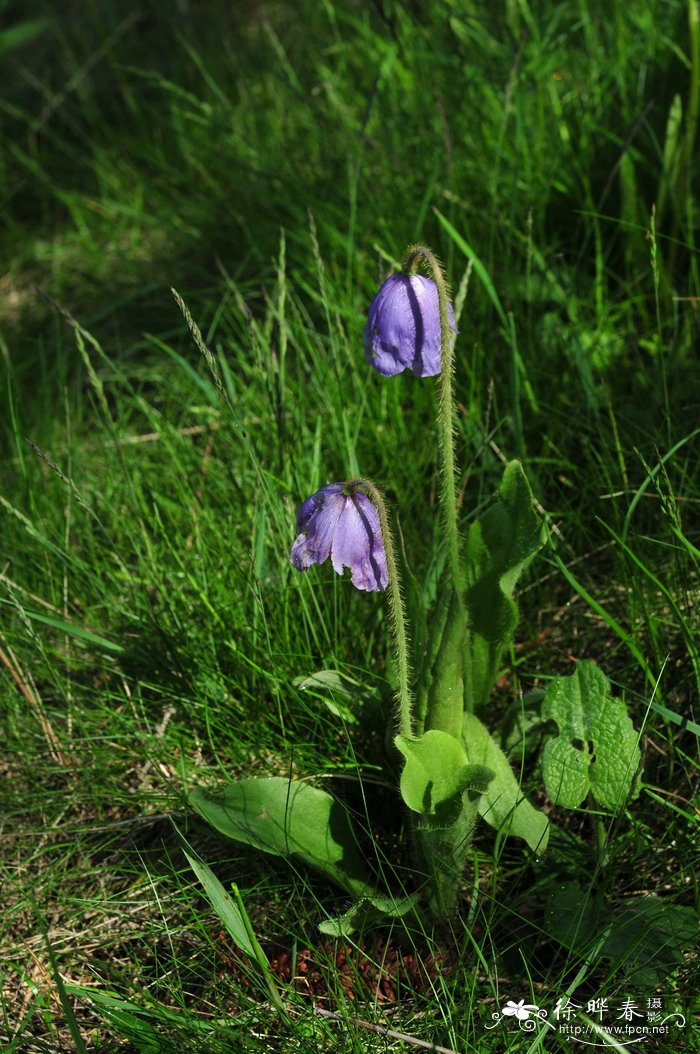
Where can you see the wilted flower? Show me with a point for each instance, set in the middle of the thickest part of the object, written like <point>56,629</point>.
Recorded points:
<point>341,522</point>
<point>403,327</point>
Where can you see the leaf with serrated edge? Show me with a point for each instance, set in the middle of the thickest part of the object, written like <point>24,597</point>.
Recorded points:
<point>596,750</point>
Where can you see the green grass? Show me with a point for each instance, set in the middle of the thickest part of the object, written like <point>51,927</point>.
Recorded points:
<point>271,162</point>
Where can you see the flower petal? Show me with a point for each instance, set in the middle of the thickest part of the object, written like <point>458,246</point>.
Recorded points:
<point>317,520</point>
<point>357,544</point>
<point>344,526</point>
<point>403,327</point>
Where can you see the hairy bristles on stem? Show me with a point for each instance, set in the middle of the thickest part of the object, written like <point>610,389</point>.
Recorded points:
<point>397,618</point>
<point>414,254</point>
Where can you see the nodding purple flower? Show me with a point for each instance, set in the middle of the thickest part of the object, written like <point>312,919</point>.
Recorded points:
<point>341,522</point>
<point>403,327</point>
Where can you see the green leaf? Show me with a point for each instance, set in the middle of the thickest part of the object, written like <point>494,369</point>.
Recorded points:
<point>503,804</point>
<point>288,818</point>
<point>144,1037</point>
<point>341,694</point>
<point>16,36</point>
<point>479,268</point>
<point>442,789</point>
<point>648,936</point>
<point>439,697</point>
<point>645,936</point>
<point>571,915</point>
<point>499,545</point>
<point>366,911</point>
<point>596,750</point>
<point>222,902</point>
<point>86,636</point>
<point>233,915</point>
<point>522,730</point>
<point>436,774</point>
<point>151,1029</point>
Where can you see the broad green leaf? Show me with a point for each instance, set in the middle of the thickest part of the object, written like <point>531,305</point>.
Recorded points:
<point>503,804</point>
<point>436,774</point>
<point>499,545</point>
<point>442,789</point>
<point>288,818</point>
<point>648,937</point>
<point>366,911</point>
<point>596,750</point>
<point>645,935</point>
<point>439,698</point>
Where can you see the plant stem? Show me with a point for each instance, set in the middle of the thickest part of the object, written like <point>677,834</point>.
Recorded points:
<point>397,617</point>
<point>446,402</point>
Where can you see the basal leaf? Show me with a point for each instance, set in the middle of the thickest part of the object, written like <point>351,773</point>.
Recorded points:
<point>439,698</point>
<point>645,936</point>
<point>436,774</point>
<point>596,750</point>
<point>366,911</point>
<point>503,804</point>
<point>288,818</point>
<point>442,790</point>
<point>499,545</point>
<point>648,936</point>
<point>221,901</point>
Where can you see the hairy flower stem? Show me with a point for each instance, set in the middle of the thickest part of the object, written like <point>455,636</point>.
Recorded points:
<point>413,256</point>
<point>397,617</point>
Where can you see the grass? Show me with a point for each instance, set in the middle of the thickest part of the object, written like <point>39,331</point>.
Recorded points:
<point>271,162</point>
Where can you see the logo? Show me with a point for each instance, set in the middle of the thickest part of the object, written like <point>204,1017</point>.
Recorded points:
<point>629,1021</point>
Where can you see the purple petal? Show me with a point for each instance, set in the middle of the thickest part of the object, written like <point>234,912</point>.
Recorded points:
<point>315,503</point>
<point>345,527</point>
<point>357,544</point>
<point>317,520</point>
<point>403,327</point>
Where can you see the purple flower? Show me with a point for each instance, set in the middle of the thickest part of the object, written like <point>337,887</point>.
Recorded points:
<point>403,327</point>
<point>341,522</point>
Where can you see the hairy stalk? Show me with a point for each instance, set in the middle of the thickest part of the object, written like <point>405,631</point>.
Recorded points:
<point>413,256</point>
<point>397,618</point>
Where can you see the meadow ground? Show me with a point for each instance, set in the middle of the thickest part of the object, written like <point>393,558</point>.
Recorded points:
<point>271,161</point>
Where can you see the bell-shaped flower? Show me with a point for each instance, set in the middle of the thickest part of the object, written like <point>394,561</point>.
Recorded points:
<point>403,327</point>
<point>341,522</point>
